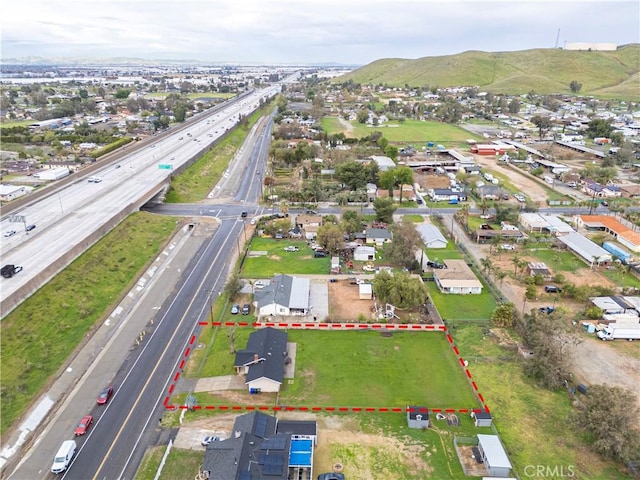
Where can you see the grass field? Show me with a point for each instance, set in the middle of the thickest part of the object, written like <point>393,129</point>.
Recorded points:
<point>181,464</point>
<point>414,132</point>
<point>39,335</point>
<point>278,261</point>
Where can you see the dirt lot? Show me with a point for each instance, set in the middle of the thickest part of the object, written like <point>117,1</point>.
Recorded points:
<point>345,303</point>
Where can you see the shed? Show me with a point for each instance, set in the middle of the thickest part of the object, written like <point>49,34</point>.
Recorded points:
<point>335,264</point>
<point>494,456</point>
<point>365,291</point>
<point>364,253</point>
<point>417,417</point>
<point>431,236</point>
<point>482,418</point>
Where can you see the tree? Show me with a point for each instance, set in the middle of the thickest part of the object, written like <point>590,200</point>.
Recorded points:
<point>599,127</point>
<point>506,213</point>
<point>611,415</point>
<point>543,123</point>
<point>575,86</point>
<point>404,176</point>
<point>180,112</point>
<point>391,151</point>
<point>122,93</point>
<point>514,106</point>
<point>233,286</point>
<point>504,315</point>
<point>331,238</point>
<point>400,289</point>
<point>363,116</point>
<point>385,209</point>
<point>406,241</point>
<point>352,174</point>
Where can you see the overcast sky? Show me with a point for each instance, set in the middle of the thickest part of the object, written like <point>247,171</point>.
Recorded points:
<point>305,31</point>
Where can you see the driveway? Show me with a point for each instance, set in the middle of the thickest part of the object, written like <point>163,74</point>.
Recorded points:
<point>319,293</point>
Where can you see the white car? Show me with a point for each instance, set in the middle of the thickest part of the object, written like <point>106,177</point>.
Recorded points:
<point>291,248</point>
<point>506,246</point>
<point>208,439</point>
<point>258,284</point>
<point>94,179</point>
<point>10,233</point>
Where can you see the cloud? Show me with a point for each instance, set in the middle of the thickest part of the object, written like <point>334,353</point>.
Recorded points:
<point>269,31</point>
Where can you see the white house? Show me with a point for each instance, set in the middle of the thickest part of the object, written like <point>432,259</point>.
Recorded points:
<point>431,236</point>
<point>457,277</point>
<point>285,295</point>
<point>9,192</point>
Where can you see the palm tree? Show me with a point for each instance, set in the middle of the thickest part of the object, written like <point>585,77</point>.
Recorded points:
<point>487,264</point>
<point>516,263</point>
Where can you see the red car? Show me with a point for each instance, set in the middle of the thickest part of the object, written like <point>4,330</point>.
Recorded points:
<point>84,425</point>
<point>105,395</point>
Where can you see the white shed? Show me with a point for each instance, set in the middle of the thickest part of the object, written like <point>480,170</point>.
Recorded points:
<point>365,291</point>
<point>364,253</point>
<point>494,456</point>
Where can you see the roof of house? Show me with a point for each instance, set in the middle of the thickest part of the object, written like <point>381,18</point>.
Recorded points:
<point>365,250</point>
<point>270,345</point>
<point>297,427</point>
<point>482,415</point>
<point>605,221</point>
<point>457,274</point>
<point>291,292</point>
<point>306,220</point>
<point>430,233</point>
<point>378,233</point>
<point>253,452</point>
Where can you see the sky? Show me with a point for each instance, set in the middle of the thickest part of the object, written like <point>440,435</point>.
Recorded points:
<point>353,32</point>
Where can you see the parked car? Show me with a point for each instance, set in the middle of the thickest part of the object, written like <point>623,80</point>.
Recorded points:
<point>235,309</point>
<point>84,425</point>
<point>291,248</point>
<point>547,310</point>
<point>331,476</point>
<point>320,254</point>
<point>10,233</point>
<point>311,212</point>
<point>258,284</point>
<point>105,395</point>
<point>552,289</point>
<point>246,309</point>
<point>507,246</point>
<point>244,214</point>
<point>208,439</point>
<point>435,265</point>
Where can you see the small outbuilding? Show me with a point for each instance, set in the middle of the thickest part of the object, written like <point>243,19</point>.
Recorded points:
<point>482,419</point>
<point>365,291</point>
<point>494,456</point>
<point>364,253</point>
<point>417,417</point>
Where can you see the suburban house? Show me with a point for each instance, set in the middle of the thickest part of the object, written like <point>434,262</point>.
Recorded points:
<point>285,295</point>
<point>431,235</point>
<point>604,223</point>
<point>552,224</point>
<point>378,236</point>
<point>417,417</point>
<point>261,447</point>
<point>457,277</point>
<point>9,192</point>
<point>584,248</point>
<point>494,456</point>
<point>445,194</point>
<point>489,192</point>
<point>364,253</point>
<point>309,224</point>
<point>263,360</point>
<point>630,191</point>
<point>617,305</point>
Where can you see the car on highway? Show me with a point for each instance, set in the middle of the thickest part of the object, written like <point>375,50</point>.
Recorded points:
<point>235,309</point>
<point>30,227</point>
<point>244,214</point>
<point>10,233</point>
<point>104,396</point>
<point>84,425</point>
<point>291,248</point>
<point>94,179</point>
<point>117,165</point>
<point>246,309</point>
<point>208,439</point>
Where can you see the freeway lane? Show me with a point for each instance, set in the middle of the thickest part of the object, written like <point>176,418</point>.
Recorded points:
<point>114,443</point>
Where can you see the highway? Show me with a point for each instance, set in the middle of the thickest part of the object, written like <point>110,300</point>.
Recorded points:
<point>128,424</point>
<point>77,215</point>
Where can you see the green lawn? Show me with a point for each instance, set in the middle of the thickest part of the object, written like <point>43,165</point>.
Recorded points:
<point>415,132</point>
<point>463,307</point>
<point>278,261</point>
<point>180,465</point>
<point>39,335</point>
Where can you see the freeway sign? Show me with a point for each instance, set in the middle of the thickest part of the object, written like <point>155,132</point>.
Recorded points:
<point>16,218</point>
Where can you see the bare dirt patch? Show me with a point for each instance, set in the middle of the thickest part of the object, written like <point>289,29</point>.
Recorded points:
<point>345,303</point>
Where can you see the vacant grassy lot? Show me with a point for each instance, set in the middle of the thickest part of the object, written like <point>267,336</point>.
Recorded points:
<point>41,333</point>
<point>532,421</point>
<point>415,132</point>
<point>181,464</point>
<point>276,260</point>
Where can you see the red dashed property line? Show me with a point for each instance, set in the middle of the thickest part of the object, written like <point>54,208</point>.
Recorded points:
<point>290,408</point>
<point>336,327</point>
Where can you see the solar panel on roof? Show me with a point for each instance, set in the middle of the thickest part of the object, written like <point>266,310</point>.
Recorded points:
<point>261,426</point>
<point>274,443</point>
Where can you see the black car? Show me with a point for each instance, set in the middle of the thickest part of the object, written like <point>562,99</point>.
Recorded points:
<point>28,228</point>
<point>435,264</point>
<point>320,254</point>
<point>552,289</point>
<point>246,309</point>
<point>244,214</point>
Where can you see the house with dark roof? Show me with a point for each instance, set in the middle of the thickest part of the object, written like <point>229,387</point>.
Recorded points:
<point>285,295</point>
<point>263,360</point>
<point>378,236</point>
<point>255,451</point>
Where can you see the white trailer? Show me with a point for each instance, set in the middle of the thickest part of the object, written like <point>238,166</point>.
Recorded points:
<point>613,332</point>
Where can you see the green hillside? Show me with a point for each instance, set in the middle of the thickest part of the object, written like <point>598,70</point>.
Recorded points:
<point>542,70</point>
